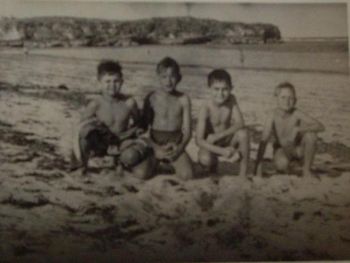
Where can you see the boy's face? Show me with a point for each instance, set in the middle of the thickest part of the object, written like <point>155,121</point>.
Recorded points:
<point>286,100</point>
<point>111,84</point>
<point>220,91</point>
<point>167,79</point>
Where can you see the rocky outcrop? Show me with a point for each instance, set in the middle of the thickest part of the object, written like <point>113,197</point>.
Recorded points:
<point>66,31</point>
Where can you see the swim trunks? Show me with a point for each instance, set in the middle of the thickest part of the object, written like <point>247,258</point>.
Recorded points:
<point>290,150</point>
<point>164,137</point>
<point>96,136</point>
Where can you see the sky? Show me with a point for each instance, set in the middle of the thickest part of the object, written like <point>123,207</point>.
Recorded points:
<point>293,19</point>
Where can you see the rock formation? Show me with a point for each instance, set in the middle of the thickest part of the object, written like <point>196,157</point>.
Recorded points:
<point>68,31</point>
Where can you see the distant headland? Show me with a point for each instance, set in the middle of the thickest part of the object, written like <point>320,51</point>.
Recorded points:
<point>44,32</point>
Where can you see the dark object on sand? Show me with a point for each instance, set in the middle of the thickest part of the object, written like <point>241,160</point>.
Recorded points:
<point>62,87</point>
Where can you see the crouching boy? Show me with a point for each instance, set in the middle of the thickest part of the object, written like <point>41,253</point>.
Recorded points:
<point>108,125</point>
<point>294,133</point>
<point>167,116</point>
<point>220,128</point>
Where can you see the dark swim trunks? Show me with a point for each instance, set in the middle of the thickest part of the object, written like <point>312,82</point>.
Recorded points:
<point>96,137</point>
<point>291,150</point>
<point>164,137</point>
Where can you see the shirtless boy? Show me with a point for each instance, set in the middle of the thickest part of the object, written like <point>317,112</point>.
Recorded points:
<point>111,120</point>
<point>294,133</point>
<point>220,128</point>
<point>167,113</point>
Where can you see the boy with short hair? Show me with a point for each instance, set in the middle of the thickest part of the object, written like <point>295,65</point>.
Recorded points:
<point>220,128</point>
<point>111,120</point>
<point>294,133</point>
<point>167,114</point>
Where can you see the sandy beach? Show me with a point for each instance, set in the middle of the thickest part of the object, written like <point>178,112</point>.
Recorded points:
<point>50,214</point>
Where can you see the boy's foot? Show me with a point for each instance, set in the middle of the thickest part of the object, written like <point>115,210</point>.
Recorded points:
<point>74,167</point>
<point>119,171</point>
<point>84,171</point>
<point>74,164</point>
<point>309,174</point>
<point>250,176</point>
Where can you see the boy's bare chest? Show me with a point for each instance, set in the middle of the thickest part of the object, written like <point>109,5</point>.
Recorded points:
<point>167,106</point>
<point>111,112</point>
<point>285,125</point>
<point>220,116</point>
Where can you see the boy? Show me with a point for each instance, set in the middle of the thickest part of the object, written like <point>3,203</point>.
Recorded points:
<point>220,128</point>
<point>168,113</point>
<point>106,122</point>
<point>293,130</point>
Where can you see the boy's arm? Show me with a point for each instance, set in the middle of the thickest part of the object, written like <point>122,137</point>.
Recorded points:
<point>309,124</point>
<point>201,131</point>
<point>88,114</point>
<point>135,117</point>
<point>146,120</point>
<point>147,113</point>
<point>267,130</point>
<point>186,127</point>
<point>186,122</point>
<point>238,123</point>
<point>304,124</point>
<point>135,113</point>
<point>89,111</point>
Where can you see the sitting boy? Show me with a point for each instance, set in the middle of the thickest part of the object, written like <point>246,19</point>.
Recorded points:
<point>168,113</point>
<point>220,128</point>
<point>294,133</point>
<point>106,122</point>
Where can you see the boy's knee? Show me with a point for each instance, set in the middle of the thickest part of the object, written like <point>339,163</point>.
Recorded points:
<point>134,155</point>
<point>281,163</point>
<point>129,157</point>
<point>186,174</point>
<point>84,147</point>
<point>310,137</point>
<point>205,158</point>
<point>242,135</point>
<point>140,174</point>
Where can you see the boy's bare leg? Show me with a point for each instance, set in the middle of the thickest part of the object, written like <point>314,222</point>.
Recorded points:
<point>281,161</point>
<point>145,169</point>
<point>208,160</point>
<point>183,166</point>
<point>309,144</point>
<point>85,154</point>
<point>241,138</point>
<point>129,155</point>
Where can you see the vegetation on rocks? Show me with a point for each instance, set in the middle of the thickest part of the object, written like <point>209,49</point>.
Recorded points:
<point>68,31</point>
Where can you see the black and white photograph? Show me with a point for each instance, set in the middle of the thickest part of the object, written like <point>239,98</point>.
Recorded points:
<point>252,101</point>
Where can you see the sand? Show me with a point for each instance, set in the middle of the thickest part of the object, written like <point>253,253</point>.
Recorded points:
<point>50,214</point>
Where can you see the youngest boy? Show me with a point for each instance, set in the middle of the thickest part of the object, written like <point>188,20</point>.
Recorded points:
<point>111,120</point>
<point>294,133</point>
<point>168,114</point>
<point>220,128</point>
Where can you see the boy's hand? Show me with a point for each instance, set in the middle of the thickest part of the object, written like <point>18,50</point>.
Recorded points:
<point>173,151</point>
<point>211,138</point>
<point>172,156</point>
<point>164,151</point>
<point>293,135</point>
<point>139,132</point>
<point>258,170</point>
<point>228,152</point>
<point>113,150</point>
